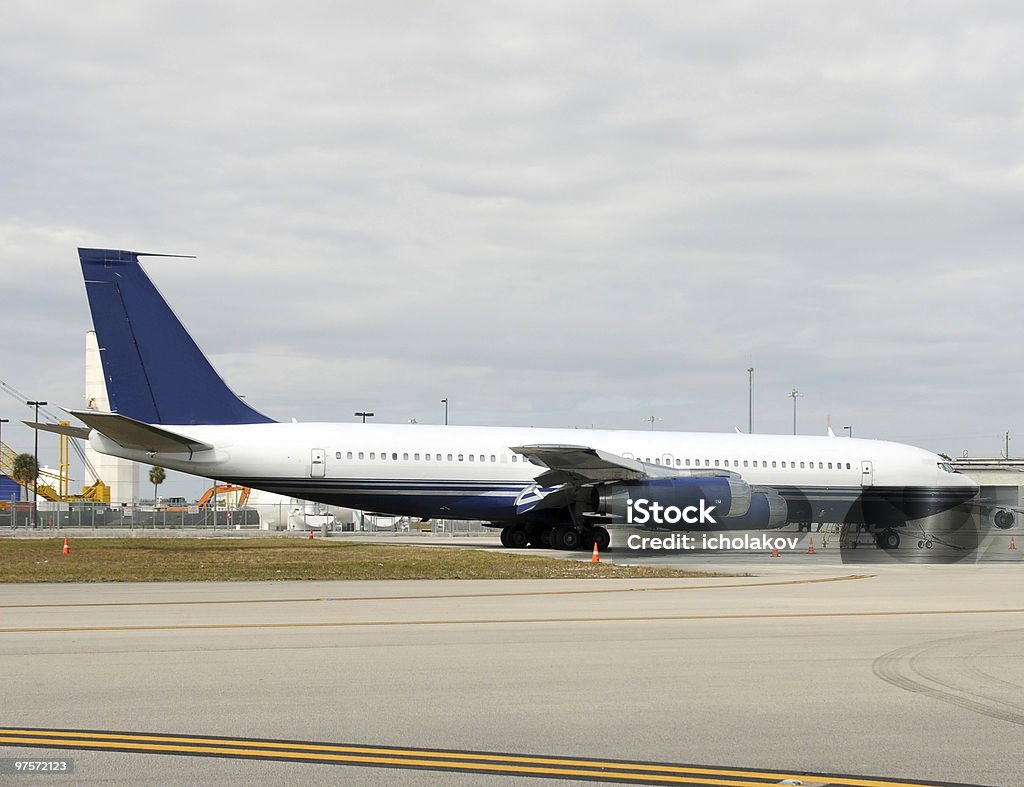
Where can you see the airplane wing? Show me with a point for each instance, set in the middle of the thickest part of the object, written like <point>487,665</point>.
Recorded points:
<point>573,466</point>
<point>129,433</point>
<point>584,465</point>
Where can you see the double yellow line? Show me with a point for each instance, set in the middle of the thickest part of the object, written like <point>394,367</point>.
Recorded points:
<point>422,759</point>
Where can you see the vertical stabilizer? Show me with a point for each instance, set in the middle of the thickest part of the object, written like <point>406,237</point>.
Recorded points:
<point>153,369</point>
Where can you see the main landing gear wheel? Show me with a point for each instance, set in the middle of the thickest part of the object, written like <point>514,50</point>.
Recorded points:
<point>888,539</point>
<point>565,537</point>
<point>514,537</point>
<point>1003,520</point>
<point>602,538</point>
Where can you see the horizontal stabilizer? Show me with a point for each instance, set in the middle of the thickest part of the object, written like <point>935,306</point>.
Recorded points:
<point>129,433</point>
<point>71,431</point>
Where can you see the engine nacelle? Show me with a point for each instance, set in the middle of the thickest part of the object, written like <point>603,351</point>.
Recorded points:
<point>768,510</point>
<point>726,497</point>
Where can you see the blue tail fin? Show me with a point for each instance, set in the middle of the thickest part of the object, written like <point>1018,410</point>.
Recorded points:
<point>153,369</point>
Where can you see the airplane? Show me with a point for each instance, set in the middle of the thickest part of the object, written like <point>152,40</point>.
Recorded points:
<point>557,488</point>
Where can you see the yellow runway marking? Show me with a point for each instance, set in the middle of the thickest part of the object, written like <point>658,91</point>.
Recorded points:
<point>506,594</point>
<point>422,759</point>
<point>513,621</point>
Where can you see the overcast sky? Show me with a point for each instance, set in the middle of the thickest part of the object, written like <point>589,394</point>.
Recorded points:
<point>565,214</point>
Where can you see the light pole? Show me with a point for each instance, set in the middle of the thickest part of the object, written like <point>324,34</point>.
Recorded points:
<point>35,482</point>
<point>750,400</point>
<point>850,430</point>
<point>364,416</point>
<point>651,419</point>
<point>796,395</point>
<point>2,422</point>
<point>445,403</point>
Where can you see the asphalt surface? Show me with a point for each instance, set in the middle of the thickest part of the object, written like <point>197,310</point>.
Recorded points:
<point>898,671</point>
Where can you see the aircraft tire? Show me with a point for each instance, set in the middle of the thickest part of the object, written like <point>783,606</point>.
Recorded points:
<point>888,539</point>
<point>504,536</point>
<point>517,537</point>
<point>556,538</point>
<point>539,539</point>
<point>1003,519</point>
<point>602,538</point>
<point>571,539</point>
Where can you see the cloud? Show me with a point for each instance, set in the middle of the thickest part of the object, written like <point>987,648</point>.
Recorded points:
<point>571,215</point>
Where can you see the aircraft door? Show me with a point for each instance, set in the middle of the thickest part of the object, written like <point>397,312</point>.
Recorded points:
<point>667,460</point>
<point>867,475</point>
<point>316,463</point>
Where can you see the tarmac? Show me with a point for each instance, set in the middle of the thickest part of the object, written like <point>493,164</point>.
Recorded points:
<point>893,671</point>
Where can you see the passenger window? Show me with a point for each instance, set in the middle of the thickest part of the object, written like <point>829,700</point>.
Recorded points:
<point>360,454</point>
<point>405,457</point>
<point>801,465</point>
<point>394,456</point>
<point>679,462</point>
<point>460,456</point>
<point>416,457</point>
<point>687,462</point>
<point>746,463</point>
<point>773,463</point>
<point>426,457</point>
<point>450,457</point>
<point>847,465</point>
<point>821,466</point>
<point>493,458</point>
<point>783,464</point>
<point>472,458</point>
<point>829,465</point>
<point>515,457</point>
<point>349,454</point>
<point>373,455</point>
<point>337,455</point>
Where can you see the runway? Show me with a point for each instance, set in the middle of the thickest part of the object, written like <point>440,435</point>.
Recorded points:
<point>816,673</point>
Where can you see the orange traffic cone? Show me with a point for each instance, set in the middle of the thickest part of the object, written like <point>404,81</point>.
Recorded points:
<point>67,549</point>
<point>311,534</point>
<point>810,549</point>
<point>595,557</point>
<point>1012,545</point>
<point>775,551</point>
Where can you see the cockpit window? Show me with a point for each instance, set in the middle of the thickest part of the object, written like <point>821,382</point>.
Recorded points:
<point>946,467</point>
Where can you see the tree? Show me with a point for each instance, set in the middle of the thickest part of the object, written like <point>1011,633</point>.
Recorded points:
<point>157,475</point>
<point>25,470</point>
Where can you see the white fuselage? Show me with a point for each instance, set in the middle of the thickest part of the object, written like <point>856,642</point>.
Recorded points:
<point>380,467</point>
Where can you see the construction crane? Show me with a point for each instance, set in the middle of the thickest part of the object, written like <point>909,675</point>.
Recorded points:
<point>56,486</point>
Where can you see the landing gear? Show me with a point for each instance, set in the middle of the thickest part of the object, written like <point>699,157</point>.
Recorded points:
<point>924,543</point>
<point>1003,519</point>
<point>514,537</point>
<point>565,537</point>
<point>887,539</point>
